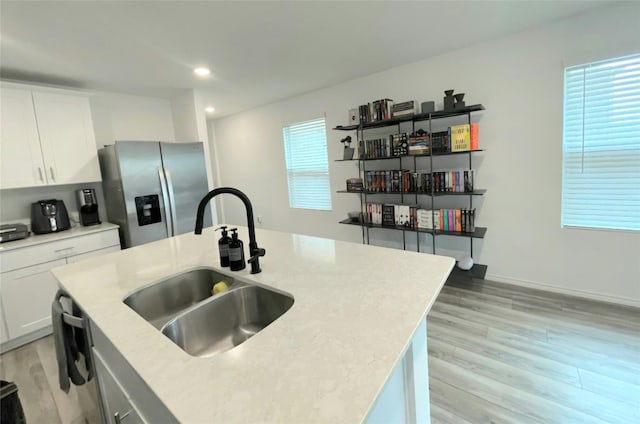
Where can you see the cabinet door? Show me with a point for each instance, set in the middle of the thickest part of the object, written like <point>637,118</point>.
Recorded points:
<point>27,294</point>
<point>115,402</point>
<point>4,336</point>
<point>78,258</point>
<point>21,163</point>
<point>67,138</point>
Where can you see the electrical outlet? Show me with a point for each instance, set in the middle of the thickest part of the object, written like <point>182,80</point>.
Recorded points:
<point>259,219</point>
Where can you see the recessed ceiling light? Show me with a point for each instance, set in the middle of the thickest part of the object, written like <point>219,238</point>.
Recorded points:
<point>209,109</point>
<point>201,72</point>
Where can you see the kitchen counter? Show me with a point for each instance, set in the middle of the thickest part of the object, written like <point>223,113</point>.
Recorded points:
<point>356,310</point>
<point>35,239</point>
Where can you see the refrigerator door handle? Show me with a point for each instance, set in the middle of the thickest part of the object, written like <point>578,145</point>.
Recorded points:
<point>172,201</point>
<point>165,199</point>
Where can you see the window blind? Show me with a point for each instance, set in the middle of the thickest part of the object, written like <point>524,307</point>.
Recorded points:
<point>305,147</point>
<point>601,145</point>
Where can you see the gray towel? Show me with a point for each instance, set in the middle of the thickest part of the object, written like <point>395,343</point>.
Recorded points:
<point>63,337</point>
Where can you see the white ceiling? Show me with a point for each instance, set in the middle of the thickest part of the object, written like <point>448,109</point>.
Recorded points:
<point>258,52</point>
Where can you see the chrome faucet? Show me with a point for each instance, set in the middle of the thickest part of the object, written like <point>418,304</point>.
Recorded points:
<point>254,251</point>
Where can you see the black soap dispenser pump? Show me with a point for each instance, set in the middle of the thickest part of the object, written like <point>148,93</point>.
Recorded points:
<point>223,246</point>
<point>236,252</point>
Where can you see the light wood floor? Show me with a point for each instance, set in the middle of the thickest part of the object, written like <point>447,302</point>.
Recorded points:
<point>34,369</point>
<point>502,354</point>
<point>497,354</point>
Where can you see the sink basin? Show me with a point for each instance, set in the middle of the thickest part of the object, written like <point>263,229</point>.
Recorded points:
<point>161,302</point>
<point>227,320</point>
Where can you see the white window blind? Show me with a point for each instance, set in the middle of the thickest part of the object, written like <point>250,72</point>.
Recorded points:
<point>601,145</point>
<point>305,148</point>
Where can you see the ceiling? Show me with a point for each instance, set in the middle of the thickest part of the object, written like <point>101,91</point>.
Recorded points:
<point>258,52</point>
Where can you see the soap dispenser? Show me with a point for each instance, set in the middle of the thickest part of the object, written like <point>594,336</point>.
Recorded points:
<point>236,252</point>
<point>223,246</point>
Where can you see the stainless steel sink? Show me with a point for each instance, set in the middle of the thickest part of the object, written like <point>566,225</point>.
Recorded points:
<point>162,301</point>
<point>229,319</point>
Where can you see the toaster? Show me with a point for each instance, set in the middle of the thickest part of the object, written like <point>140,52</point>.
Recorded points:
<point>49,216</point>
<point>10,232</point>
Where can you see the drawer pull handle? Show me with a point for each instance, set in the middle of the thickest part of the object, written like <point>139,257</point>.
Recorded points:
<point>118,418</point>
<point>64,250</point>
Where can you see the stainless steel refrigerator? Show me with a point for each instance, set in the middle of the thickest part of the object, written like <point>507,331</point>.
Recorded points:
<point>152,189</point>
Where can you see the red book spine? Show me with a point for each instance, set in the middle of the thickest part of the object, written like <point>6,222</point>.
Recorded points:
<point>474,136</point>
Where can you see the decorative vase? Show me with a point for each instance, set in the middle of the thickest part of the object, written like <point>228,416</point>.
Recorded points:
<point>348,153</point>
<point>459,103</point>
<point>449,100</point>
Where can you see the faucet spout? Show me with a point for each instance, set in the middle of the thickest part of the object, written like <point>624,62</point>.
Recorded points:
<point>254,251</point>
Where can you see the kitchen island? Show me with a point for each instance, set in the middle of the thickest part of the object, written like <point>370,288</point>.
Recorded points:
<point>356,329</point>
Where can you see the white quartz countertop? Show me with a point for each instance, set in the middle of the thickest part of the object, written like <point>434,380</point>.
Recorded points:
<point>35,239</point>
<point>325,360</point>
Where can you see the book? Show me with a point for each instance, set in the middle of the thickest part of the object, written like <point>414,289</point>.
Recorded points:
<point>404,108</point>
<point>419,145</point>
<point>474,136</point>
<point>399,144</point>
<point>388,215</point>
<point>445,220</point>
<point>405,215</point>
<point>468,180</point>
<point>386,109</point>
<point>440,142</point>
<point>425,218</point>
<point>460,137</point>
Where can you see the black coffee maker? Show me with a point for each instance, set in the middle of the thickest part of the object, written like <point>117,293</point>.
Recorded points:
<point>88,207</point>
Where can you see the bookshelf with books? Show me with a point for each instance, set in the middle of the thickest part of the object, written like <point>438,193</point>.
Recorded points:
<point>418,210</point>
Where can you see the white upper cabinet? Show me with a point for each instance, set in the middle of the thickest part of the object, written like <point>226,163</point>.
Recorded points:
<point>21,163</point>
<point>47,138</point>
<point>67,138</point>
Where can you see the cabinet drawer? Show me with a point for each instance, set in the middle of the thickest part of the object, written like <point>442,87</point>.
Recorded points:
<point>83,256</point>
<point>60,249</point>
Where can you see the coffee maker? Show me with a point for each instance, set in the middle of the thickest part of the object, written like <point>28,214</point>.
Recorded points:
<point>88,207</point>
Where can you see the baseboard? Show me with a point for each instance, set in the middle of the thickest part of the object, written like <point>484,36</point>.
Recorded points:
<point>23,340</point>
<point>571,292</point>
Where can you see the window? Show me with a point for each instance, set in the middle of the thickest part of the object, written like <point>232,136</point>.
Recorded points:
<point>601,145</point>
<point>305,149</point>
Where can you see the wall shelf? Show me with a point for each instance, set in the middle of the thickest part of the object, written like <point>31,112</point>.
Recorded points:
<point>478,270</point>
<point>478,233</point>
<point>415,118</point>
<point>479,192</point>
<point>410,156</point>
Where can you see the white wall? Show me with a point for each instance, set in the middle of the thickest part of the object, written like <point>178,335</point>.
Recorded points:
<point>519,79</point>
<point>126,117</point>
<point>191,125</point>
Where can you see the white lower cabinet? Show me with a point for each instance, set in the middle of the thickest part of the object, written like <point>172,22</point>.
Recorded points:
<point>4,335</point>
<point>26,297</point>
<point>117,407</point>
<point>124,397</point>
<point>28,287</point>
